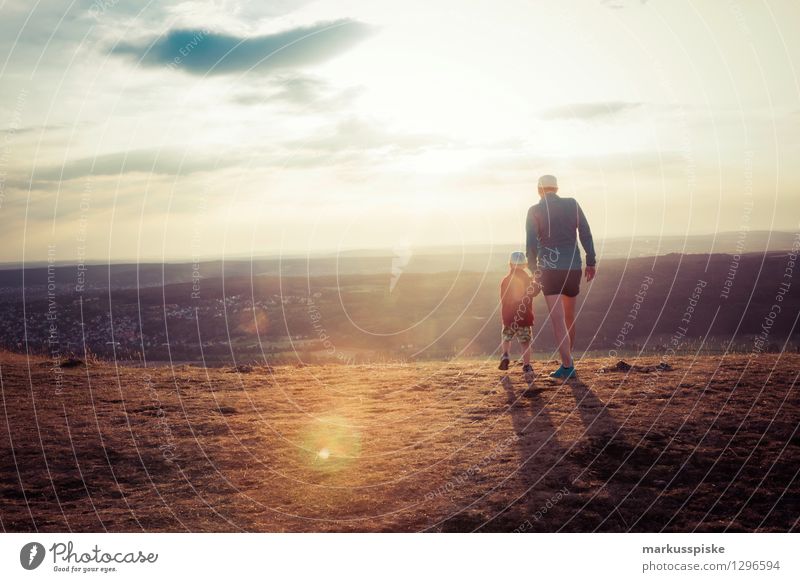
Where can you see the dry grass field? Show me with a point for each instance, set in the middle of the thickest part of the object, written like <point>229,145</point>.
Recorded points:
<point>451,446</point>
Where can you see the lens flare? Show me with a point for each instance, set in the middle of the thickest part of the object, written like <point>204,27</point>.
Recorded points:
<point>330,443</point>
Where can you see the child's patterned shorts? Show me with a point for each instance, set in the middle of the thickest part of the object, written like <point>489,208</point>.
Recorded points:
<point>522,333</point>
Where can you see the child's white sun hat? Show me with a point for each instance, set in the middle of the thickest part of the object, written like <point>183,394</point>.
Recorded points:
<point>518,258</point>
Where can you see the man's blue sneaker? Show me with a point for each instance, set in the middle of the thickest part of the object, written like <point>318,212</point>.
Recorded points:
<point>564,373</point>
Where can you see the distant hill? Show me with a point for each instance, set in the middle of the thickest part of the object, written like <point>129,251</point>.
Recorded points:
<point>436,259</point>
<point>674,302</point>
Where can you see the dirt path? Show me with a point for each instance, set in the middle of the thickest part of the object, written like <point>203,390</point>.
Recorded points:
<point>451,446</point>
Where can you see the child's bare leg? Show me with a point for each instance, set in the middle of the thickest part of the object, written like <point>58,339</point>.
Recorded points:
<point>526,352</point>
<point>505,359</point>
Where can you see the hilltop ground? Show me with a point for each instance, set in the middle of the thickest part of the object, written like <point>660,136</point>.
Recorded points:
<point>452,446</point>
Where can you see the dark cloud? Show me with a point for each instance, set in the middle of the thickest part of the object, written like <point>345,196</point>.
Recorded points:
<point>203,52</point>
<point>590,111</point>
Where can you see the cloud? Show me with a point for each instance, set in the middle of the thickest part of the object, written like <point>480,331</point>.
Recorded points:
<point>590,111</point>
<point>357,135</point>
<point>164,162</point>
<point>349,140</point>
<point>33,129</point>
<point>202,52</point>
<point>300,93</point>
<point>619,4</point>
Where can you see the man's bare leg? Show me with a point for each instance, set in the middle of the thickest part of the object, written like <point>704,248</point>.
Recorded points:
<point>569,318</point>
<point>557,319</point>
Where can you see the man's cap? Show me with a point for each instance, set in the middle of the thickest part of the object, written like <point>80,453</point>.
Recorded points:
<point>518,258</point>
<point>548,181</point>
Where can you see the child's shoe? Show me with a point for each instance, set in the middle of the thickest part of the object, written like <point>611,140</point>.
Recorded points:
<point>527,372</point>
<point>504,362</point>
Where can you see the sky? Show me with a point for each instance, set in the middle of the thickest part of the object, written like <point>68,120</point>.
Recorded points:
<point>183,130</point>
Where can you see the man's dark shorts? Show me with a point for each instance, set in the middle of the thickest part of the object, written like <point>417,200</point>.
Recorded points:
<point>561,282</point>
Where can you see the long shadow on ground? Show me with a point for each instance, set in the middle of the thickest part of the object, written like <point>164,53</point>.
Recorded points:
<point>562,486</point>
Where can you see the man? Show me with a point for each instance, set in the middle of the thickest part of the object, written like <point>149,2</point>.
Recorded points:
<point>553,228</point>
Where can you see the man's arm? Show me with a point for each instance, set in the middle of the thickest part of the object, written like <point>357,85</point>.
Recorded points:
<point>532,239</point>
<point>585,234</point>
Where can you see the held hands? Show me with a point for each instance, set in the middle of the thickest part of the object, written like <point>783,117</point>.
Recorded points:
<point>536,282</point>
<point>590,273</point>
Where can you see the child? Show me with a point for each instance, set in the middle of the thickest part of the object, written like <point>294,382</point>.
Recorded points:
<point>517,291</point>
